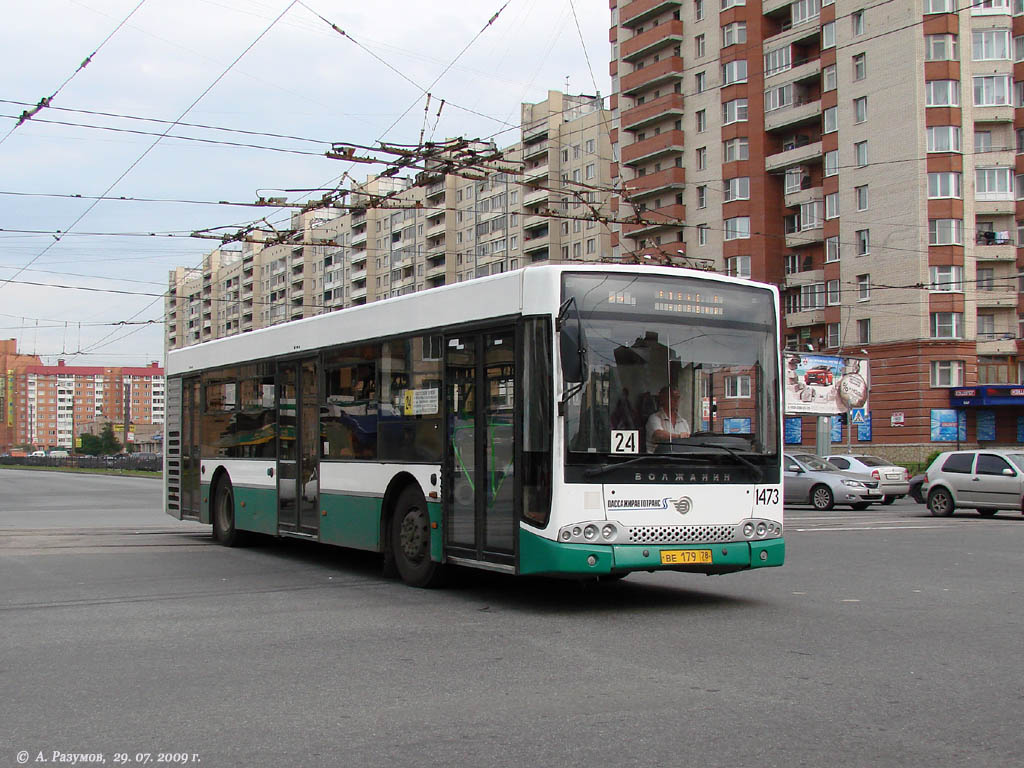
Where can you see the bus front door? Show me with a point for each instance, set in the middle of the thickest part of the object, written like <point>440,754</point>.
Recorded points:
<point>298,417</point>
<point>191,455</point>
<point>480,452</point>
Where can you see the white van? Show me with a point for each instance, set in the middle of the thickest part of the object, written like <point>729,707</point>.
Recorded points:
<point>58,454</point>
<point>39,454</point>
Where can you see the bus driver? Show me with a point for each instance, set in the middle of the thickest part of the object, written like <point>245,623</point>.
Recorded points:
<point>666,423</point>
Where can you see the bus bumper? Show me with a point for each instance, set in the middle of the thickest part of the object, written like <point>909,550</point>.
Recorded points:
<point>538,555</point>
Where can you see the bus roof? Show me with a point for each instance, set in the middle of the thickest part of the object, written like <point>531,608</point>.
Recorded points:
<point>530,290</point>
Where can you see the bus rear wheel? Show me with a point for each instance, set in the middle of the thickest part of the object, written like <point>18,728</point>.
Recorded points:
<point>410,540</point>
<point>224,531</point>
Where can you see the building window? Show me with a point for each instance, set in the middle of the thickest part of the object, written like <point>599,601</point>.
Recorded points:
<point>737,228</point>
<point>735,149</point>
<point>831,249</point>
<point>734,72</point>
<point>591,147</point>
<point>946,184</point>
<point>860,153</point>
<point>944,138</point>
<point>993,183</point>
<point>777,98</point>
<point>698,9</point>
<point>777,61</point>
<point>942,93</point>
<point>702,158</point>
<point>734,111</point>
<point>989,7</point>
<point>698,45</point>
<point>737,189</point>
<point>702,197</point>
<point>993,91</point>
<point>794,180</point>
<point>832,162</point>
<point>737,386</point>
<point>986,278</point>
<point>832,335</point>
<point>702,234</point>
<point>832,293</point>
<point>941,48</point>
<point>947,279</point>
<point>810,215</point>
<point>702,120</point>
<point>700,82</point>
<point>734,33</point>
<point>812,296</point>
<point>804,10</point>
<point>864,331</point>
<point>940,6</point>
<point>990,45</point>
<point>987,327</point>
<point>863,287</point>
<point>947,373</point>
<point>727,4</point>
<point>828,35</point>
<point>982,141</point>
<point>945,232</point>
<point>828,78</point>
<point>860,66</point>
<point>832,205</point>
<point>591,169</point>
<point>863,239</point>
<point>861,193</point>
<point>831,120</point>
<point>860,109</point>
<point>738,266</point>
<point>946,325</point>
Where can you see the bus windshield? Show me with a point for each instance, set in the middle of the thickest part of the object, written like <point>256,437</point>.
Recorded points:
<point>671,365</point>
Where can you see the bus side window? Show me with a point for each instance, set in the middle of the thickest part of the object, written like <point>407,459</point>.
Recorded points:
<point>348,411</point>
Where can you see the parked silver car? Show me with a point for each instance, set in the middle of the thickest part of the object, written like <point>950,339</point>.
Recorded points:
<point>987,480</point>
<point>809,479</point>
<point>893,482</point>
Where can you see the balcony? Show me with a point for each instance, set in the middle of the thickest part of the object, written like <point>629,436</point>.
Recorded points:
<point>652,111</point>
<point>436,248</point>
<point>997,343</point>
<point>358,275</point>
<point>651,40</point>
<point>533,222</point>
<point>358,238</point>
<point>796,156</point>
<point>536,197</point>
<point>769,7</point>
<point>997,114</point>
<point>807,69</point>
<point>358,257</point>
<point>667,143</point>
<point>668,216</point>
<point>808,277</point>
<point>358,293</point>
<point>535,175</point>
<point>1004,207</point>
<point>664,71</point>
<point>436,230</point>
<point>534,129</point>
<point>995,246</point>
<point>808,29</point>
<point>639,11</point>
<point>536,246</point>
<point>815,233</point>
<point>433,270</point>
<point>1000,296</point>
<point>795,114</point>
<point>654,183</point>
<point>536,149</point>
<point>804,318</point>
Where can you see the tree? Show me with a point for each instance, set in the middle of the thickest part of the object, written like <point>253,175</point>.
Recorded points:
<point>109,444</point>
<point>91,445</point>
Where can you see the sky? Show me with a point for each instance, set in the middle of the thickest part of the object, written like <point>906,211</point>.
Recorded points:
<point>245,67</point>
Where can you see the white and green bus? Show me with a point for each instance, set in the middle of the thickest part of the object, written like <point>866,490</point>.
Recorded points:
<point>509,423</point>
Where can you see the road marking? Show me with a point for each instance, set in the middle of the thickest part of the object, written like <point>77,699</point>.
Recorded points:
<point>880,528</point>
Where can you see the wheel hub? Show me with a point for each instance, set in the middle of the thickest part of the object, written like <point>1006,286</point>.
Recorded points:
<point>413,535</point>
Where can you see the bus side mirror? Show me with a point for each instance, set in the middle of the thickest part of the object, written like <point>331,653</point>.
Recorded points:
<point>573,353</point>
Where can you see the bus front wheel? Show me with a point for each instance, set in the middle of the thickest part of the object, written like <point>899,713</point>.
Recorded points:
<point>224,530</point>
<point>410,540</point>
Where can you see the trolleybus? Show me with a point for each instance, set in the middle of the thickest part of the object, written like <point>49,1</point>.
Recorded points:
<point>508,423</point>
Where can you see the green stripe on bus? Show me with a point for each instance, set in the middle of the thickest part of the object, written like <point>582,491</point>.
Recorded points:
<point>538,555</point>
<point>350,521</point>
<point>436,532</point>
<point>205,504</point>
<point>256,509</point>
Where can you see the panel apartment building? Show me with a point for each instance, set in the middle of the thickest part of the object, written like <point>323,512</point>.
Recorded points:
<point>53,404</point>
<point>860,154</point>
<point>539,201</point>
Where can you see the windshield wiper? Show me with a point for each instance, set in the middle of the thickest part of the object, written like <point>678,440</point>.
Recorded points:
<point>650,457</point>
<point>735,454</point>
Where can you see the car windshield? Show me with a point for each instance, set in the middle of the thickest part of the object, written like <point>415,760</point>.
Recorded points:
<point>672,365</point>
<point>872,461</point>
<point>1017,458</point>
<point>816,463</point>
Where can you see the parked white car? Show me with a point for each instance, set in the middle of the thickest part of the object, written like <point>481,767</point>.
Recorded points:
<point>893,481</point>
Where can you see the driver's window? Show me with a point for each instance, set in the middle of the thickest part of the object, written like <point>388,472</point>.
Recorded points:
<point>988,464</point>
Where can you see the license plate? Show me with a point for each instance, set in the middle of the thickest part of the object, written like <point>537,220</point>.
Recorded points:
<point>894,476</point>
<point>685,556</point>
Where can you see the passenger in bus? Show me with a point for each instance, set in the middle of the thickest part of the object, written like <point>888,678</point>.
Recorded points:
<point>666,423</point>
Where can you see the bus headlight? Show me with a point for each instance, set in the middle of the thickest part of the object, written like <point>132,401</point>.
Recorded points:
<point>590,532</point>
<point>608,531</point>
<point>748,530</point>
<point>762,529</point>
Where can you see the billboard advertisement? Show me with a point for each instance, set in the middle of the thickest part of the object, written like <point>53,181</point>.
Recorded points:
<point>825,385</point>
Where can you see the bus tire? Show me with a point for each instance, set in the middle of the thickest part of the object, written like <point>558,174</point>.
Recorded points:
<point>224,531</point>
<point>410,540</point>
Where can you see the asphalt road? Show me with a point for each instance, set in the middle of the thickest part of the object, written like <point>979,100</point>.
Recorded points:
<point>888,639</point>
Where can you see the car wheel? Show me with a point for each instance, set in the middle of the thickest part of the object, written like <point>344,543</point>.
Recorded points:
<point>861,505</point>
<point>940,503</point>
<point>224,531</point>
<point>987,512</point>
<point>410,540</point>
<point>822,498</point>
<point>888,500</point>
